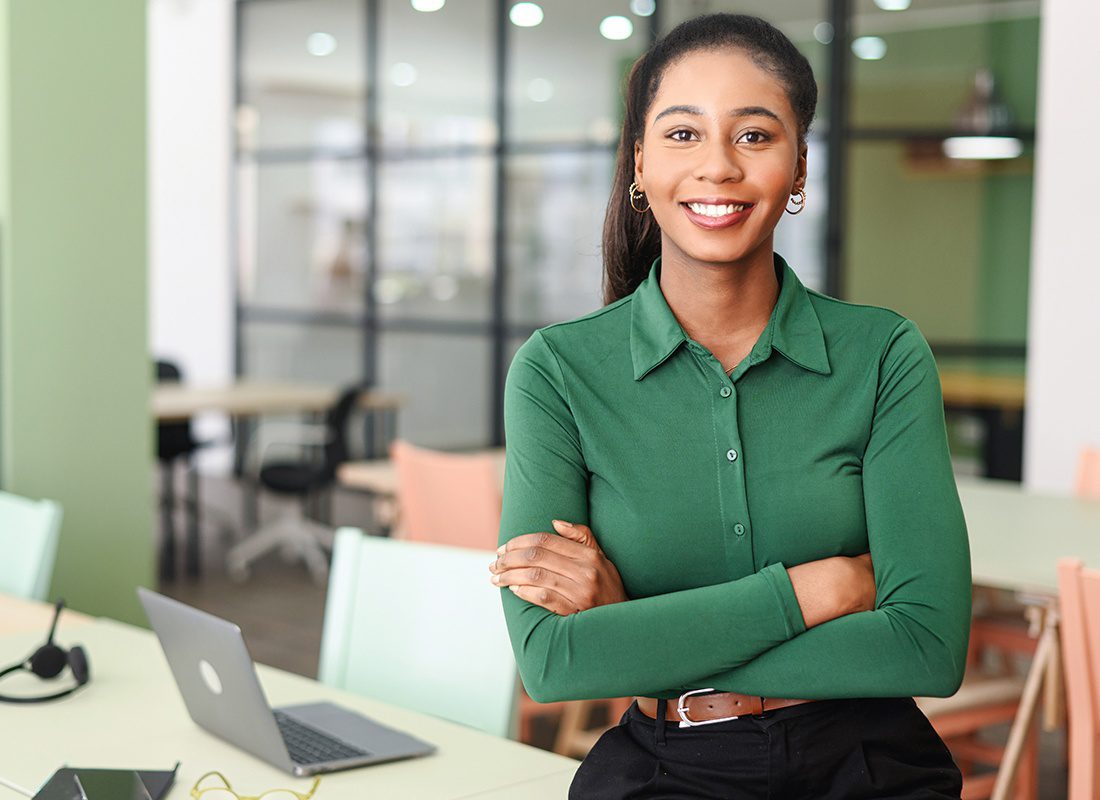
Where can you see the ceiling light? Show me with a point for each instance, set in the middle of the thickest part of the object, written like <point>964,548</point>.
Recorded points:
<point>643,8</point>
<point>403,74</point>
<point>540,90</point>
<point>982,147</point>
<point>869,48</point>
<point>321,44</point>
<point>893,5</point>
<point>428,5</point>
<point>616,28</point>
<point>526,15</point>
<point>823,32</point>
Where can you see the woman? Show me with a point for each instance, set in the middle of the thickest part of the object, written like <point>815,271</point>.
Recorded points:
<point>726,494</point>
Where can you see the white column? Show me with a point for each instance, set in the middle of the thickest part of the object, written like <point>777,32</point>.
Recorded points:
<point>190,96</point>
<point>1063,381</point>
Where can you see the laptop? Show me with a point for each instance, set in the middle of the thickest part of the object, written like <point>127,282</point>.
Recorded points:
<point>217,679</point>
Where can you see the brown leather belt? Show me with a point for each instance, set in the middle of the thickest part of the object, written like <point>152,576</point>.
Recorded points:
<point>703,706</point>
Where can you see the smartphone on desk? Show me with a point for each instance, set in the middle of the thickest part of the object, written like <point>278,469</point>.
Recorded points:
<point>74,783</point>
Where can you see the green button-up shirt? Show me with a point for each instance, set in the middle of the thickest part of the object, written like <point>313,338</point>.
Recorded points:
<point>828,439</point>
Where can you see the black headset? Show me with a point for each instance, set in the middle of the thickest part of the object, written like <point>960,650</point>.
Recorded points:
<point>47,662</point>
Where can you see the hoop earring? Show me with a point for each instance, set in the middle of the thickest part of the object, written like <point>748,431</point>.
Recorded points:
<point>637,195</point>
<point>799,204</point>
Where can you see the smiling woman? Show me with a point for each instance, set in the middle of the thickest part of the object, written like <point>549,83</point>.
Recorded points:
<point>724,490</point>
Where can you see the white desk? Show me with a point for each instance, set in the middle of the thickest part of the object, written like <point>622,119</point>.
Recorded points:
<point>1016,539</point>
<point>132,716</point>
<point>1017,535</point>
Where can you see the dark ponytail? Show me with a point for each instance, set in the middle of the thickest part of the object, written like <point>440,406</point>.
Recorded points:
<point>632,241</point>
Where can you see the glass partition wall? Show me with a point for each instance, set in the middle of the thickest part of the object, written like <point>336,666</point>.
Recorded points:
<point>421,183</point>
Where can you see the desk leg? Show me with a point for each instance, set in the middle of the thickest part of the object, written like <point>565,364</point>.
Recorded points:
<point>1003,450</point>
<point>192,556</point>
<point>167,522</point>
<point>1046,658</point>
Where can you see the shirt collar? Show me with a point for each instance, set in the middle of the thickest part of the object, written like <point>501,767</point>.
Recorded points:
<point>794,329</point>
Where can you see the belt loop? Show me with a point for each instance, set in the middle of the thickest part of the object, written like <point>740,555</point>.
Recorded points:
<point>662,709</point>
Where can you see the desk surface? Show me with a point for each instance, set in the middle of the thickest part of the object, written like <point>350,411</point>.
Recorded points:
<point>1018,535</point>
<point>252,398</point>
<point>976,389</point>
<point>19,616</point>
<point>131,715</point>
<point>379,476</point>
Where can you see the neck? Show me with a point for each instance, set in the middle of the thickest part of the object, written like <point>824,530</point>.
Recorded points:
<point>724,307</point>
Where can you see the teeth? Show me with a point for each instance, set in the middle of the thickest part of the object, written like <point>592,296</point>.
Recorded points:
<point>714,211</point>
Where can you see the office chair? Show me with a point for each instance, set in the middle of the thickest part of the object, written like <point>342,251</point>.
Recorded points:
<point>29,532</point>
<point>176,442</point>
<point>309,476</point>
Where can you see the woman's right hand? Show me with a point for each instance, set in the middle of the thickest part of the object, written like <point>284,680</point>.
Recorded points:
<point>832,587</point>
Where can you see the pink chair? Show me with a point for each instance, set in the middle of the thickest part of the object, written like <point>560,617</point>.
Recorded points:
<point>1079,596</point>
<point>446,498</point>
<point>1088,474</point>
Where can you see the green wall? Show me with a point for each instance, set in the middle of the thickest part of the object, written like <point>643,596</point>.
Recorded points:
<point>950,250</point>
<point>74,368</point>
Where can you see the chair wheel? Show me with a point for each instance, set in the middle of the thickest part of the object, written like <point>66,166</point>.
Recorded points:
<point>237,570</point>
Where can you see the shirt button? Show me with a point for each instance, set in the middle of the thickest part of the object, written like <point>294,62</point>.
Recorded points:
<point>739,529</point>
<point>731,455</point>
<point>725,391</point>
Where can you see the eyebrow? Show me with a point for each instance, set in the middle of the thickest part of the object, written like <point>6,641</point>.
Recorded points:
<point>746,111</point>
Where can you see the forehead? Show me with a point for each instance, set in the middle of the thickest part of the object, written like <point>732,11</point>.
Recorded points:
<point>719,80</point>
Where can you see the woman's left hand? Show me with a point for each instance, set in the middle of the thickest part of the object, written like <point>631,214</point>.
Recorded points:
<point>565,574</point>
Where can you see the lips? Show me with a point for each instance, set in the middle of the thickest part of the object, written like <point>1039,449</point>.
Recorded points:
<point>716,213</point>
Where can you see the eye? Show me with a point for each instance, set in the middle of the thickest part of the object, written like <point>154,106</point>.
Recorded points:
<point>681,135</point>
<point>758,137</point>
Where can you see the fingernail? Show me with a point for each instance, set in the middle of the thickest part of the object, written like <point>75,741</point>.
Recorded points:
<point>514,589</point>
<point>500,550</point>
<point>563,523</point>
<point>495,579</point>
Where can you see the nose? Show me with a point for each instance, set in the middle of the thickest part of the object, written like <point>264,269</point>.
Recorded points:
<point>718,162</point>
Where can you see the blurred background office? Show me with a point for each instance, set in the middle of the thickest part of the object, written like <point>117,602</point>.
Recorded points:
<point>393,194</point>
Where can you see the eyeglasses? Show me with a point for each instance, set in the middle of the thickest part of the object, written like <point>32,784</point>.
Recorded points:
<point>218,788</point>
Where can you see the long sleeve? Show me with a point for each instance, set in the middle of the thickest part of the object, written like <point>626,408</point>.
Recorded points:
<point>640,646</point>
<point>915,641</point>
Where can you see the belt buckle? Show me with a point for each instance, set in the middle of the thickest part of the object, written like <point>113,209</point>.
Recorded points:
<point>688,722</point>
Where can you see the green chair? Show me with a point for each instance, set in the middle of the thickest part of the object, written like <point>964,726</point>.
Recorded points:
<point>419,625</point>
<point>28,540</point>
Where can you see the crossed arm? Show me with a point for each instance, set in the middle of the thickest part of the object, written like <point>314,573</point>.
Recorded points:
<point>831,628</point>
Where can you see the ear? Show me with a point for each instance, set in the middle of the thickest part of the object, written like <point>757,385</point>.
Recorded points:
<point>800,169</point>
<point>638,164</point>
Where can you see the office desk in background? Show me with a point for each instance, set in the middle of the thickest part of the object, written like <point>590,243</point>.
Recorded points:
<point>1016,538</point>
<point>998,401</point>
<point>244,401</point>
<point>247,399</point>
<point>132,716</point>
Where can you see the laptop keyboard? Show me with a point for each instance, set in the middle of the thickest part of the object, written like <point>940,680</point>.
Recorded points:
<point>307,745</point>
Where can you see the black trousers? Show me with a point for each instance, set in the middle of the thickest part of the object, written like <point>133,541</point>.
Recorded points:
<point>827,750</point>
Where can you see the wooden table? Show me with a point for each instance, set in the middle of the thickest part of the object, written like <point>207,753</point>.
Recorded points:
<point>243,401</point>
<point>131,715</point>
<point>961,388</point>
<point>379,477</point>
<point>177,402</point>
<point>998,401</point>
